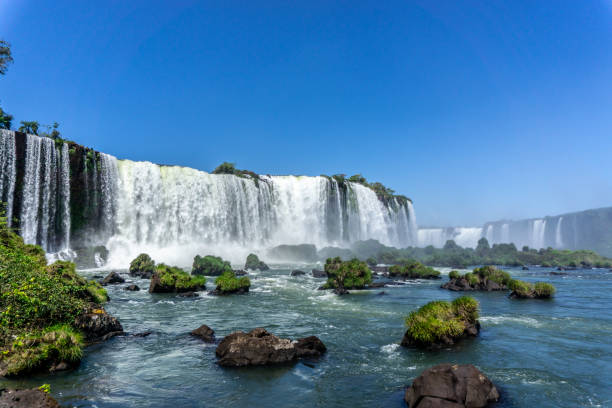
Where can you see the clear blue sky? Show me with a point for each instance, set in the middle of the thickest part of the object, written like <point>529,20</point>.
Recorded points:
<point>478,110</point>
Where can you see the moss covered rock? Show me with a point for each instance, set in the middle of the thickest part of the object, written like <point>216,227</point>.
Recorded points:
<point>209,265</point>
<point>526,290</point>
<point>170,279</point>
<point>142,266</point>
<point>440,324</point>
<point>486,278</point>
<point>342,276</point>
<point>254,263</point>
<point>228,283</point>
<point>413,270</point>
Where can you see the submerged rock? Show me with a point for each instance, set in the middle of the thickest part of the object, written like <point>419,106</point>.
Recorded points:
<point>205,333</point>
<point>31,398</point>
<point>98,325</point>
<point>142,266</point>
<point>112,278</point>
<point>188,294</point>
<point>133,288</point>
<point>451,386</point>
<point>319,273</point>
<point>259,347</point>
<point>240,272</point>
<point>297,272</point>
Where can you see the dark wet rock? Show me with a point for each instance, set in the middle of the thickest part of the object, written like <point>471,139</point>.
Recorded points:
<point>558,273</point>
<point>341,291</point>
<point>259,347</point>
<point>376,285</point>
<point>525,268</point>
<point>297,272</point>
<point>452,386</point>
<point>561,268</point>
<point>188,294</point>
<point>133,288</point>
<point>240,272</point>
<point>142,266</point>
<point>318,273</point>
<point>97,325</point>
<point>381,293</point>
<point>142,334</point>
<point>112,278</point>
<point>205,333</point>
<point>310,347</point>
<point>32,398</point>
<point>62,366</point>
<point>254,263</point>
<point>98,277</point>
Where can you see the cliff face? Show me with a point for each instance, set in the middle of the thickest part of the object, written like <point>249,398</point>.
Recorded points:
<point>62,195</point>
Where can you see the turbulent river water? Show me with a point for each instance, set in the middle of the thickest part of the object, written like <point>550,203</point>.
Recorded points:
<point>554,353</point>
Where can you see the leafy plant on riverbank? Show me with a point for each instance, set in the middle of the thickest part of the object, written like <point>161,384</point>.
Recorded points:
<point>38,307</point>
<point>353,274</point>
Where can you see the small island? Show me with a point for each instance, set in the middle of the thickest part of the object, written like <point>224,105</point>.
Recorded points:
<point>342,276</point>
<point>171,279</point>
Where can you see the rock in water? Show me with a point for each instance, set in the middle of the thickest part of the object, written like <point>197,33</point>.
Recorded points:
<point>297,272</point>
<point>259,347</point>
<point>310,347</point>
<point>205,333</point>
<point>142,266</point>
<point>451,386</point>
<point>97,325</point>
<point>112,278</point>
<point>133,288</point>
<point>318,273</point>
<point>254,263</point>
<point>32,398</point>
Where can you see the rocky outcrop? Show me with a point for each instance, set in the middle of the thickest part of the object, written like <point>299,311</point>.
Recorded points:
<point>170,279</point>
<point>142,266</point>
<point>97,325</point>
<point>31,398</point>
<point>112,278</point>
<point>319,273</point>
<point>132,288</point>
<point>259,347</point>
<point>462,284</point>
<point>451,386</point>
<point>254,263</point>
<point>205,333</point>
<point>297,272</point>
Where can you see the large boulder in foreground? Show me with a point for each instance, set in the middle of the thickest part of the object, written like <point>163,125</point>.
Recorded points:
<point>142,266</point>
<point>440,324</point>
<point>259,347</point>
<point>32,398</point>
<point>451,386</point>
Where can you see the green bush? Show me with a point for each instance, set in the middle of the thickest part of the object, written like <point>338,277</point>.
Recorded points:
<point>472,278</point>
<point>173,277</point>
<point>228,282</point>
<point>142,265</point>
<point>440,319</point>
<point>543,289</point>
<point>413,270</point>
<point>209,265</point>
<point>352,274</point>
<point>454,275</point>
<point>521,288</point>
<point>254,263</point>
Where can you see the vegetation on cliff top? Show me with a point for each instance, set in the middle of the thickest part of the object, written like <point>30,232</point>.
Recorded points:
<point>38,307</point>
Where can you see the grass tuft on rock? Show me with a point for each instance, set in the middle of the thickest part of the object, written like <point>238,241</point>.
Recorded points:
<point>229,283</point>
<point>167,279</point>
<point>209,265</point>
<point>353,274</point>
<point>413,270</point>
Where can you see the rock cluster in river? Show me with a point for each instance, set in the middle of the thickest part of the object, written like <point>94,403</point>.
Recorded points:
<point>97,325</point>
<point>30,398</point>
<point>259,347</point>
<point>142,266</point>
<point>451,386</point>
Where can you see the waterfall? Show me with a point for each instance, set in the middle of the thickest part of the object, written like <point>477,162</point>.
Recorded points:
<point>8,171</point>
<point>431,236</point>
<point>489,233</point>
<point>65,195</point>
<point>505,233</point>
<point>558,239</point>
<point>538,230</point>
<point>467,237</point>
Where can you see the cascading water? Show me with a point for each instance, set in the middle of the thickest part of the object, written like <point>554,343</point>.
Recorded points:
<point>8,172</point>
<point>558,235</point>
<point>538,230</point>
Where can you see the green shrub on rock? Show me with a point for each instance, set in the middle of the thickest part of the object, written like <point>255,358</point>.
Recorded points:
<point>142,266</point>
<point>209,265</point>
<point>526,290</point>
<point>413,270</point>
<point>441,323</point>
<point>454,275</point>
<point>170,279</point>
<point>254,263</point>
<point>544,290</point>
<point>352,274</point>
<point>228,283</point>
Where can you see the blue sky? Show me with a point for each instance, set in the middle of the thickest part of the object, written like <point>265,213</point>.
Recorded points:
<point>478,110</point>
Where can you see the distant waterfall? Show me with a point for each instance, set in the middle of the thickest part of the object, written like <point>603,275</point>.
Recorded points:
<point>558,235</point>
<point>538,233</point>
<point>8,172</point>
<point>466,237</point>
